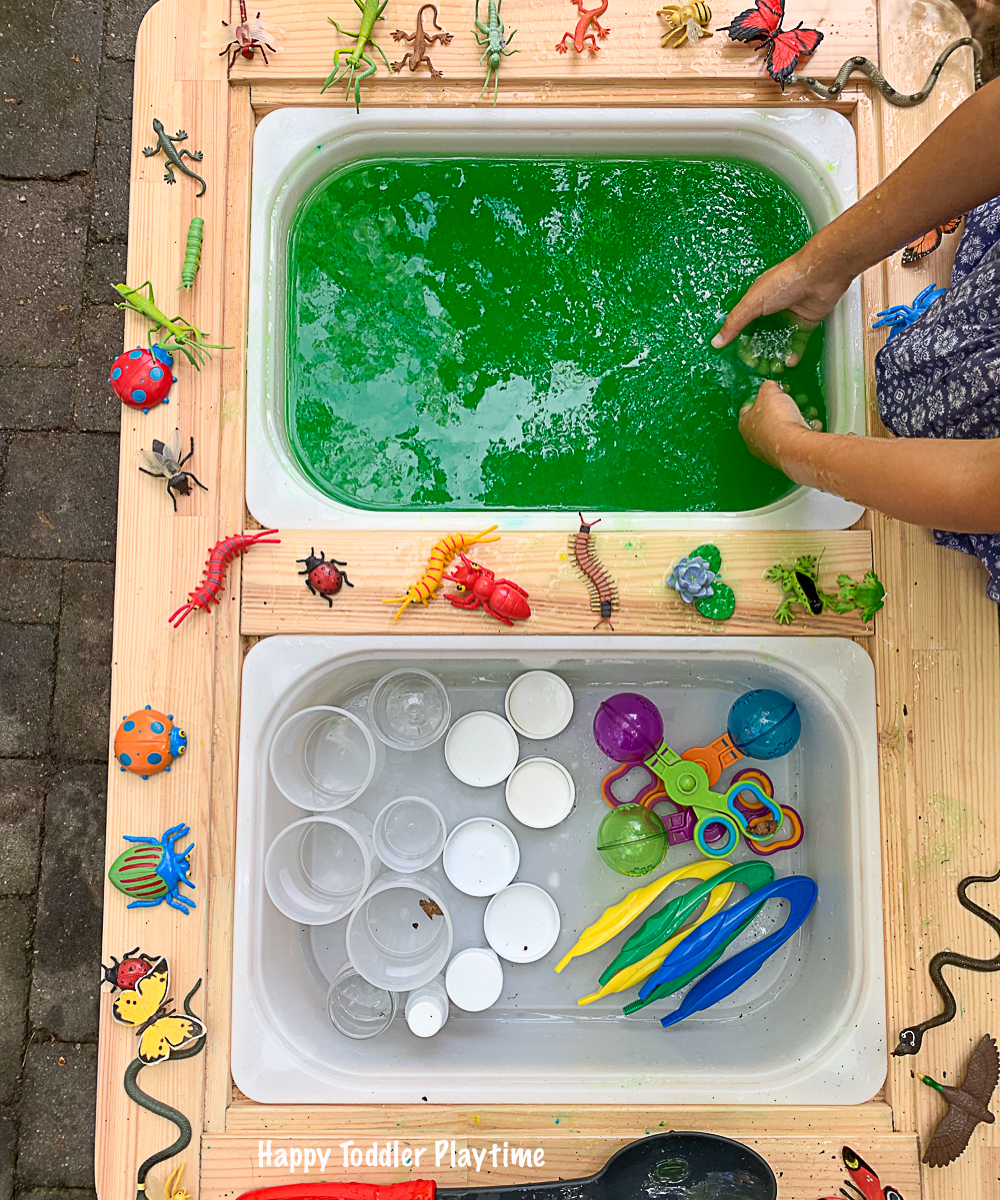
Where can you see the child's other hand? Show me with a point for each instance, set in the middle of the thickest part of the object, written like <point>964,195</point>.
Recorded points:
<point>771,423</point>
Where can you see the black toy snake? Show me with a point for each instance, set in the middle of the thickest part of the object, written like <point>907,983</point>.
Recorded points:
<point>900,99</point>
<point>162,1110</point>
<point>911,1038</point>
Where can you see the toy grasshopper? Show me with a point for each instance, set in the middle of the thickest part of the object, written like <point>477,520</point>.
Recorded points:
<point>371,11</point>
<point>495,43</point>
<point>181,334</point>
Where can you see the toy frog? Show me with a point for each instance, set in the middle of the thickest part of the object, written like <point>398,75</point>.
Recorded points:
<point>800,585</point>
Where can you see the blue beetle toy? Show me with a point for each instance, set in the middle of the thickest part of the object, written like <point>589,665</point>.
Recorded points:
<point>153,870</point>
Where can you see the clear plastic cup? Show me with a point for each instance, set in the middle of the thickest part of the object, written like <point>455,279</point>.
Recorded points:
<point>317,869</point>
<point>409,834</point>
<point>357,1008</point>
<point>409,709</point>
<point>323,758</point>
<point>400,935</point>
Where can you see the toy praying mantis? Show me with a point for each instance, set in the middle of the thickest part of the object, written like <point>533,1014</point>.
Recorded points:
<point>181,334</point>
<point>355,57</point>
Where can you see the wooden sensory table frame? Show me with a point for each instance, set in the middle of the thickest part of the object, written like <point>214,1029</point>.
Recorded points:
<point>935,645</point>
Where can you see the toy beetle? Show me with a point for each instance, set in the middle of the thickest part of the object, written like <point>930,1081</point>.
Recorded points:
<point>478,586</point>
<point>124,975</point>
<point>142,378</point>
<point>322,576</point>
<point>148,741</point>
<point>152,870</point>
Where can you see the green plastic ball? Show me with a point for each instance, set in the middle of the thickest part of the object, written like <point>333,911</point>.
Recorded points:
<point>632,840</point>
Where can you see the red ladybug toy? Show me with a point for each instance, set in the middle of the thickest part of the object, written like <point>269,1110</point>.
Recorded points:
<point>478,585</point>
<point>142,378</point>
<point>322,576</point>
<point>126,974</point>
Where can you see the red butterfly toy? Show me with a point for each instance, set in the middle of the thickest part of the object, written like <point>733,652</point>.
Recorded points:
<point>784,47</point>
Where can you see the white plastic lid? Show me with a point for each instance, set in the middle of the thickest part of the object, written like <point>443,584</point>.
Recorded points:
<point>425,1015</point>
<point>474,979</point>
<point>522,923</point>
<point>481,856</point>
<point>540,792</point>
<point>539,704</point>
<point>481,749</point>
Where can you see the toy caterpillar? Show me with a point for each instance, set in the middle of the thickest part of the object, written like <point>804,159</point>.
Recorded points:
<point>900,99</point>
<point>192,254</point>
<point>603,589</point>
<point>442,554</point>
<point>213,577</point>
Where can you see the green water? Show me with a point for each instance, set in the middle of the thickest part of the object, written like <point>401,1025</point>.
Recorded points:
<point>533,334</point>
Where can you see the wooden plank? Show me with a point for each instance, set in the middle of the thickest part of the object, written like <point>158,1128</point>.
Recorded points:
<point>383,564</point>
<point>806,1165</point>
<point>631,51</point>
<point>590,1120</point>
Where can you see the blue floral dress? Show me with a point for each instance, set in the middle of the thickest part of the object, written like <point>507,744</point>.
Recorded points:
<point>940,377</point>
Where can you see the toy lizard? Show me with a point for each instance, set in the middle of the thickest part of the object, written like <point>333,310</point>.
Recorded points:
<point>496,43</point>
<point>165,142</point>
<point>800,585</point>
<point>421,41</point>
<point>371,11</point>
<point>580,35</point>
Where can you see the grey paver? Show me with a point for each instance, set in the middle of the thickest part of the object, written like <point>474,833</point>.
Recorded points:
<point>52,64</point>
<point>80,712</point>
<point>29,591</point>
<point>36,397</point>
<point>114,149</point>
<point>8,1153</point>
<point>67,941</point>
<point>44,232</point>
<point>96,407</point>
<point>114,100</point>
<point>105,267</point>
<point>123,26</point>
<point>56,1145</point>
<point>22,794</point>
<point>26,660</point>
<point>60,496</point>
<point>15,939</point>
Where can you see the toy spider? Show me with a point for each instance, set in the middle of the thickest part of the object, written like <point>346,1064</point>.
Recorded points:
<point>251,34</point>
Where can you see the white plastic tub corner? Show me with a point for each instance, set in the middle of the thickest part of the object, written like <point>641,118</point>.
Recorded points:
<point>808,1029</point>
<point>813,150</point>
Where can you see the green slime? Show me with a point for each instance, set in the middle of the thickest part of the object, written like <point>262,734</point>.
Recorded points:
<point>533,334</point>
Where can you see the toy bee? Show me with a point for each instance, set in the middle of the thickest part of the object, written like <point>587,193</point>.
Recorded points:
<point>690,21</point>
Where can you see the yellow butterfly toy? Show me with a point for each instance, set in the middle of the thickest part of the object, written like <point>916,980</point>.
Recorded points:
<point>160,1030</point>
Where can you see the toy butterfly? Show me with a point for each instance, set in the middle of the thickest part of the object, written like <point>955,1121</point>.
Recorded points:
<point>920,247</point>
<point>864,1183</point>
<point>784,47</point>
<point>159,1029</point>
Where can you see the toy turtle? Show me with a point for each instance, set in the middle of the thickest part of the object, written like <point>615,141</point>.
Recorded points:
<point>148,741</point>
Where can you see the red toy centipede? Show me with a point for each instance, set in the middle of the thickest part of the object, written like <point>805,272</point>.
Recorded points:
<point>213,577</point>
<point>603,589</point>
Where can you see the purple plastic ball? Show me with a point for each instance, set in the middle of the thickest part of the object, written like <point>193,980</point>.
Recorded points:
<point>628,727</point>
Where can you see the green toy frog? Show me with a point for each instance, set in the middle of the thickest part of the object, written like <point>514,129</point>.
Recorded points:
<point>868,595</point>
<point>800,585</point>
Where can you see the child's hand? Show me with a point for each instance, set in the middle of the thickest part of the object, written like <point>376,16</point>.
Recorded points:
<point>780,343</point>
<point>772,424</point>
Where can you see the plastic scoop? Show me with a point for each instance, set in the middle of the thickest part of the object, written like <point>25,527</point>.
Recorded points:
<point>799,890</point>
<point>653,932</point>
<point>614,919</point>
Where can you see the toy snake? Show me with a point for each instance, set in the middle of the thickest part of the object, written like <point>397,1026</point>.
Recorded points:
<point>162,1110</point>
<point>911,1038</point>
<point>900,99</point>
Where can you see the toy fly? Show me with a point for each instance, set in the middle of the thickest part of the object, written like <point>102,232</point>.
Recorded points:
<point>165,460</point>
<point>251,34</point>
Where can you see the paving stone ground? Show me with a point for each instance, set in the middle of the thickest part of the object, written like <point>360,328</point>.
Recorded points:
<point>67,91</point>
<point>64,139</point>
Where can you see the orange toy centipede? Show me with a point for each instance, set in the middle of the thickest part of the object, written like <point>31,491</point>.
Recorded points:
<point>440,557</point>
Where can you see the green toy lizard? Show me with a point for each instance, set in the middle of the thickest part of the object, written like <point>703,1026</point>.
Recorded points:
<point>800,585</point>
<point>355,57</point>
<point>173,156</point>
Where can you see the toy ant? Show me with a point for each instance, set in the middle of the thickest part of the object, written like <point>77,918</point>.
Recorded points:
<point>250,35</point>
<point>165,461</point>
<point>322,577</point>
<point>478,586</point>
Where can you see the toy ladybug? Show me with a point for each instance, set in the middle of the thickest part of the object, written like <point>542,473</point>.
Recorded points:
<point>147,742</point>
<point>142,378</point>
<point>322,576</point>
<point>126,974</point>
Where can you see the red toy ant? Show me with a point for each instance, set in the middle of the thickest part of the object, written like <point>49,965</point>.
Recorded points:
<point>250,35</point>
<point>478,586</point>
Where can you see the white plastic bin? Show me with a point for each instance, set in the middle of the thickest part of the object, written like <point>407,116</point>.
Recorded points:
<point>808,1029</point>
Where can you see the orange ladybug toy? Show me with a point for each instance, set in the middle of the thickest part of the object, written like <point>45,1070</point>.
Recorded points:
<point>147,742</point>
